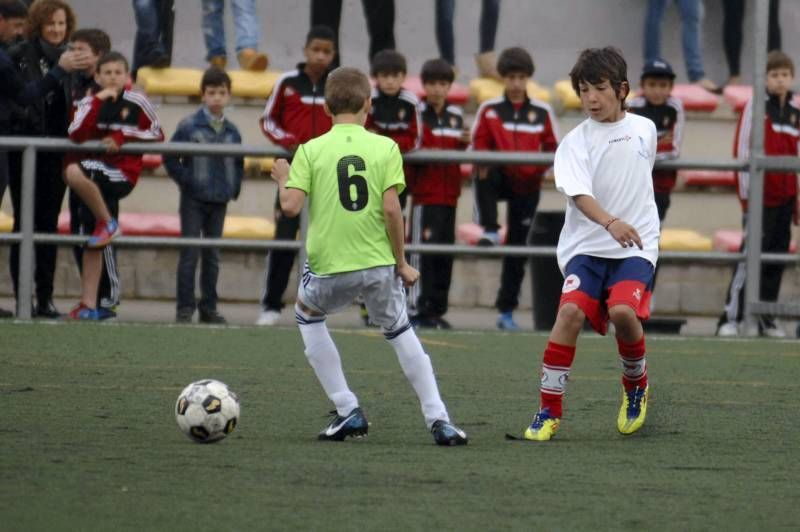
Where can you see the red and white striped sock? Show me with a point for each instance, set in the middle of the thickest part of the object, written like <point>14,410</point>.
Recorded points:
<point>555,372</point>
<point>634,365</point>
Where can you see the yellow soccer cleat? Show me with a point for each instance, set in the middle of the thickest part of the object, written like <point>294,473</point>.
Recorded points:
<point>543,427</point>
<point>633,410</point>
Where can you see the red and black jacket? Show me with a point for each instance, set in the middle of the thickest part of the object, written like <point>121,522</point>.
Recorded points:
<point>781,135</point>
<point>130,118</point>
<point>295,111</point>
<point>439,184</point>
<point>502,126</point>
<point>669,119</point>
<point>396,117</point>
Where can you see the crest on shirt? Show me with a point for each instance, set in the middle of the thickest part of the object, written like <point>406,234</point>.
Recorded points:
<point>123,114</point>
<point>793,120</point>
<point>571,283</point>
<point>453,122</point>
<point>531,117</point>
<point>491,113</point>
<point>288,92</point>
<point>665,122</point>
<point>401,114</point>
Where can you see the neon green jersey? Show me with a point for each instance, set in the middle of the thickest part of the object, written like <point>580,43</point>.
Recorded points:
<point>345,173</point>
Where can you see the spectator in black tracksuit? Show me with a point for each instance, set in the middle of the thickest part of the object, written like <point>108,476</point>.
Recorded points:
<point>513,122</point>
<point>50,23</point>
<point>435,189</point>
<point>294,114</point>
<point>380,23</point>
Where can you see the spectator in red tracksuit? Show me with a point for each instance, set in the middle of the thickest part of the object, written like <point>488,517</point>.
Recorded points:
<point>394,112</point>
<point>294,114</point>
<point>114,116</point>
<point>781,135</point>
<point>513,122</point>
<point>666,112</point>
<point>435,189</point>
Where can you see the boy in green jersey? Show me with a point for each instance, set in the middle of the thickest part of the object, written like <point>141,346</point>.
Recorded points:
<point>353,179</point>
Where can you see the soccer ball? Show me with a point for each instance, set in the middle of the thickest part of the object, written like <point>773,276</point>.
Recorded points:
<point>207,411</point>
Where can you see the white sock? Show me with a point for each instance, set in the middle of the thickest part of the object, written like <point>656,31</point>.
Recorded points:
<point>417,367</point>
<point>324,358</point>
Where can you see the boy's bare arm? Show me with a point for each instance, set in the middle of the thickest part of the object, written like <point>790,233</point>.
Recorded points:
<point>393,214</point>
<point>620,230</point>
<point>292,199</point>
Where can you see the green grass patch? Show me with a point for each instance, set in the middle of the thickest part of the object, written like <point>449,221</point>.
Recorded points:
<point>89,440</point>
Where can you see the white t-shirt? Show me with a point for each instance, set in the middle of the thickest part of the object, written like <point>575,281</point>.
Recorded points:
<point>613,163</point>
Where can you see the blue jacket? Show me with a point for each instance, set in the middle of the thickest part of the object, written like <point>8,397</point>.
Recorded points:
<point>210,179</point>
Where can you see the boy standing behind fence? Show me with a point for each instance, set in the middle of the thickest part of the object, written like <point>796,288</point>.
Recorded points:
<point>206,184</point>
<point>781,122</point>
<point>435,189</point>
<point>114,116</point>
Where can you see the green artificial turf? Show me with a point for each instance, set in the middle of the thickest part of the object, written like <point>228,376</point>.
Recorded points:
<point>88,439</point>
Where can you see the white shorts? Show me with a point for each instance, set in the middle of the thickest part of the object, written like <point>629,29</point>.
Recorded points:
<point>380,287</point>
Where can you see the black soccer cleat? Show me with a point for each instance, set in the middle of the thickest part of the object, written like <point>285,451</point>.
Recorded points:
<point>445,433</point>
<point>340,427</point>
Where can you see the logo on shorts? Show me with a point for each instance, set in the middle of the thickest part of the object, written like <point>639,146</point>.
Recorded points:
<point>572,282</point>
<point>638,294</point>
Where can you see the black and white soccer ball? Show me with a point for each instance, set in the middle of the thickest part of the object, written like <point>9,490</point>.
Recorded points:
<point>207,411</point>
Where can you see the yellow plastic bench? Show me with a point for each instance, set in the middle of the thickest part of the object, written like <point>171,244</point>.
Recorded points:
<point>258,165</point>
<point>684,240</point>
<point>6,223</point>
<point>170,81</point>
<point>483,89</point>
<point>566,95</point>
<point>248,227</point>
<point>246,84</point>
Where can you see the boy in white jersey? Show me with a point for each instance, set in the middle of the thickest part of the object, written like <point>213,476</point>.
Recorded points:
<point>353,179</point>
<point>609,244</point>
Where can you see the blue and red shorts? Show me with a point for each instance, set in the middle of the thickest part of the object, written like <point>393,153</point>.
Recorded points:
<point>595,284</point>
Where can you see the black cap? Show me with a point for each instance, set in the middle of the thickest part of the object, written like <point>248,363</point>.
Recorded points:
<point>657,68</point>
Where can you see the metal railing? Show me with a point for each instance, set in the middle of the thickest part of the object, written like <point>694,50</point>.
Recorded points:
<point>756,164</point>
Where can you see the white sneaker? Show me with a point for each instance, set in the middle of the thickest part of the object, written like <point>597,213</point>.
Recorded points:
<point>728,330</point>
<point>773,331</point>
<point>268,317</point>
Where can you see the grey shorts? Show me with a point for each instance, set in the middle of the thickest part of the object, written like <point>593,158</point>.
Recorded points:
<point>380,287</point>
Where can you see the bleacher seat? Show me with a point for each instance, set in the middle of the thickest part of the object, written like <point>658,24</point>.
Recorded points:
<point>466,171</point>
<point>482,89</point>
<point>458,95</point>
<point>695,98</point>
<point>247,84</point>
<point>258,165</point>
<point>737,96</point>
<point>158,224</point>
<point>469,233</point>
<point>6,223</point>
<point>170,81</point>
<point>684,240</point>
<point>151,161</point>
<point>707,178</point>
<point>565,95</point>
<point>731,240</point>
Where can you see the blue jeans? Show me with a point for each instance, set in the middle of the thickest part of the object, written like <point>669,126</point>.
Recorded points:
<point>691,16</point>
<point>149,42</point>
<point>245,21</point>
<point>445,10</point>
<point>199,219</point>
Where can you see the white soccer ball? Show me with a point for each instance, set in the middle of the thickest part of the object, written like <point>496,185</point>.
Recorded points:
<point>207,411</point>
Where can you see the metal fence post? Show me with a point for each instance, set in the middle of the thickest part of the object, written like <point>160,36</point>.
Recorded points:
<point>25,285</point>
<point>755,195</point>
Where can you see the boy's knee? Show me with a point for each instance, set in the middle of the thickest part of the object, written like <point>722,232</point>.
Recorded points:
<point>72,173</point>
<point>571,316</point>
<point>622,316</point>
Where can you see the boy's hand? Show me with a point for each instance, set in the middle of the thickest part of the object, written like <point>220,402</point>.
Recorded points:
<point>407,273</point>
<point>625,234</point>
<point>107,94</point>
<point>110,144</point>
<point>466,137</point>
<point>280,171</point>
<point>72,61</point>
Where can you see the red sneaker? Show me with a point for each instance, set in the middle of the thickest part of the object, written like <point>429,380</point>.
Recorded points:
<point>75,313</point>
<point>103,234</point>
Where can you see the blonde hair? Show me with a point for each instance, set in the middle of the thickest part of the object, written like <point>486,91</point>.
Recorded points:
<point>346,90</point>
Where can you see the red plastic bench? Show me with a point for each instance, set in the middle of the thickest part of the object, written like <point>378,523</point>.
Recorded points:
<point>458,95</point>
<point>469,233</point>
<point>151,161</point>
<point>708,178</point>
<point>695,98</point>
<point>737,96</point>
<point>137,224</point>
<point>731,240</point>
